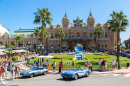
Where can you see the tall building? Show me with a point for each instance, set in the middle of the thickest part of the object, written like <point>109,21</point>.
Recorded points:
<point>75,32</point>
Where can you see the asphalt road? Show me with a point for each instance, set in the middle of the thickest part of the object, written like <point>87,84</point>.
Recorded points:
<point>57,80</point>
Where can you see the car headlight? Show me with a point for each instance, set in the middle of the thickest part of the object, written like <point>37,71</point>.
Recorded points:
<point>62,72</point>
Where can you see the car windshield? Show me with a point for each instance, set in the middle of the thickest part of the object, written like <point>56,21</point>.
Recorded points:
<point>37,68</point>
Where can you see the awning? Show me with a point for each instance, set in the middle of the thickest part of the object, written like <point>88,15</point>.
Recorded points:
<point>45,57</point>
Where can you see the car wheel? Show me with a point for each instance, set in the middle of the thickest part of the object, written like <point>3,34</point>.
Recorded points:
<point>87,74</point>
<point>31,75</point>
<point>45,73</point>
<point>76,77</point>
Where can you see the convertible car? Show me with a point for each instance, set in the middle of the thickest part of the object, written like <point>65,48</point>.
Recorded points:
<point>75,73</point>
<point>36,70</point>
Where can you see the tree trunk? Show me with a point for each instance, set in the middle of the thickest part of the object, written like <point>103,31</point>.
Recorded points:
<point>42,35</point>
<point>47,45</point>
<point>118,48</point>
<point>60,44</point>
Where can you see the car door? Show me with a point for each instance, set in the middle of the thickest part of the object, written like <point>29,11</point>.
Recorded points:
<point>81,72</point>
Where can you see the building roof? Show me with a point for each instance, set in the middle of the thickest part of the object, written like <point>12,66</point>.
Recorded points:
<point>24,30</point>
<point>3,30</point>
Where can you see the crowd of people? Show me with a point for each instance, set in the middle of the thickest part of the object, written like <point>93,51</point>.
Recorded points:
<point>102,65</point>
<point>13,69</point>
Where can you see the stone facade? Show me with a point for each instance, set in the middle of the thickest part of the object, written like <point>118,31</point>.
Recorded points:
<point>76,32</point>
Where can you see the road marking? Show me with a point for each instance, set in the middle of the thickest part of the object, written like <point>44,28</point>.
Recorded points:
<point>127,75</point>
<point>116,74</point>
<point>104,72</point>
<point>5,82</point>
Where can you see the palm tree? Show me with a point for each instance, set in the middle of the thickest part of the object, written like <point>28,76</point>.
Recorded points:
<point>43,16</point>
<point>126,42</point>
<point>118,24</point>
<point>99,31</point>
<point>38,33</point>
<point>60,34</point>
<point>46,35</point>
<point>18,38</point>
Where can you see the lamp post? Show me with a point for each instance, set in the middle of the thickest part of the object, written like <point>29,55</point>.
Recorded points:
<point>40,48</point>
<point>117,46</point>
<point>118,54</point>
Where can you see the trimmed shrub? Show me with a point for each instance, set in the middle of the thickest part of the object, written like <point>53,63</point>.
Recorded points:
<point>15,58</point>
<point>102,57</point>
<point>71,58</point>
<point>58,57</point>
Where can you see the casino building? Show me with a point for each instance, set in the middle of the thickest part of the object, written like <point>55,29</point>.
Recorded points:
<point>75,32</point>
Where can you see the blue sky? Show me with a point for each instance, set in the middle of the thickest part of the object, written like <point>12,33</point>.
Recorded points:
<point>15,14</point>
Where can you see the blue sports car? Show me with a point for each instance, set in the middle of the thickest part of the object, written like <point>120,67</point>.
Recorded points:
<point>36,70</point>
<point>75,73</point>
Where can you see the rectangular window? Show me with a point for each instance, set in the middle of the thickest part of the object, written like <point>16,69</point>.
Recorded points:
<point>84,35</point>
<point>78,35</point>
<point>105,34</point>
<point>51,35</point>
<point>71,35</point>
<point>90,34</point>
<point>105,45</point>
<point>99,45</point>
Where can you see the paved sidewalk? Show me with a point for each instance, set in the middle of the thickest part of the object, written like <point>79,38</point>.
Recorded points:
<point>122,71</point>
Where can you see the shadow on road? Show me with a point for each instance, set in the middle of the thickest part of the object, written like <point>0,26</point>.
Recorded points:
<point>62,79</point>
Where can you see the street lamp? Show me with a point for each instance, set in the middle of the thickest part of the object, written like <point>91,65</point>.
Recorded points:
<point>118,53</point>
<point>40,48</point>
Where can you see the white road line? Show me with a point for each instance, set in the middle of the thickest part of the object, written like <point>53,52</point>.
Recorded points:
<point>5,82</point>
<point>104,72</point>
<point>127,75</point>
<point>116,74</point>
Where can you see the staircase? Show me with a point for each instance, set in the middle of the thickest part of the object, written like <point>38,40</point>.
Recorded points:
<point>78,57</point>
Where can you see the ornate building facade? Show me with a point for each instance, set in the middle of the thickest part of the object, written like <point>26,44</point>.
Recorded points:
<point>76,32</point>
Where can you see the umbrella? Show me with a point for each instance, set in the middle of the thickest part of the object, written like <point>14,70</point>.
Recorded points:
<point>19,51</point>
<point>45,57</point>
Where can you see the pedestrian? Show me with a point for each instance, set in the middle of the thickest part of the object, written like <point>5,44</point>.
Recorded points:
<point>68,63</point>
<point>5,66</point>
<point>54,66</point>
<point>86,67</point>
<point>60,66</point>
<point>105,65</point>
<point>35,63</point>
<point>0,68</point>
<point>38,62</point>
<point>2,71</point>
<point>99,63</point>
<point>45,62</point>
<point>113,64</point>
<point>12,72</point>
<point>9,64</point>
<point>17,71</point>
<point>48,63</point>
<point>72,64</point>
<point>89,65</point>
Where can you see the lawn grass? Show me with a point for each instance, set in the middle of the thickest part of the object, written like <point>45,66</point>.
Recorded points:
<point>81,63</point>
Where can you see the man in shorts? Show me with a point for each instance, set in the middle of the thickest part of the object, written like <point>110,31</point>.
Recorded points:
<point>113,64</point>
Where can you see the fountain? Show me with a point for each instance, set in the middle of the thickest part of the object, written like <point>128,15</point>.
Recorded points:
<point>78,54</point>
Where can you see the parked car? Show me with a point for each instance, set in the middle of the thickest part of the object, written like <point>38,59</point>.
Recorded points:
<point>75,73</point>
<point>36,70</point>
<point>124,53</point>
<point>110,53</point>
<point>128,55</point>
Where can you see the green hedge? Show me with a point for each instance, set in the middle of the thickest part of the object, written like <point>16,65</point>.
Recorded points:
<point>15,58</point>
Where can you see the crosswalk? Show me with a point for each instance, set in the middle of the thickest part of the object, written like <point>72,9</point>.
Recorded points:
<point>115,75</point>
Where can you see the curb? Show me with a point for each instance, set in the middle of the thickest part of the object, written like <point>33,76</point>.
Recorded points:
<point>125,72</point>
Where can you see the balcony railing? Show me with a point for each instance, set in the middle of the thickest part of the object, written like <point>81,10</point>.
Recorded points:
<point>102,38</point>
